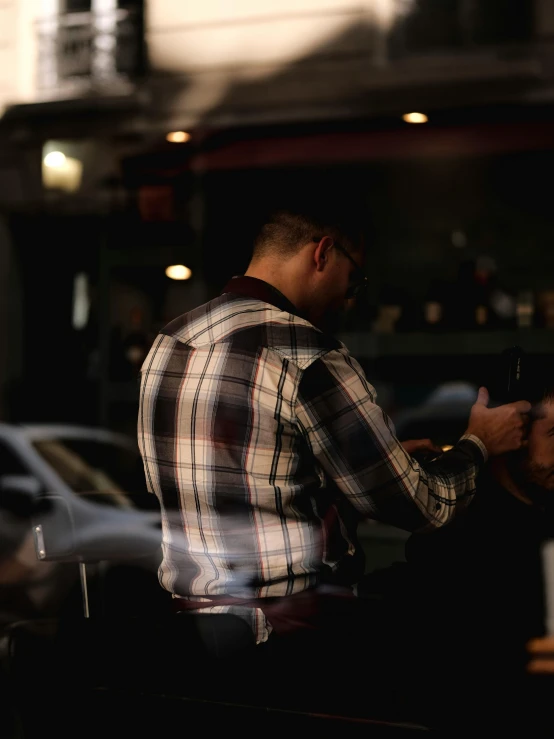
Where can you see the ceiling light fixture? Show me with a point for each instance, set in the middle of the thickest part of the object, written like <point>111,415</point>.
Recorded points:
<point>178,137</point>
<point>415,118</point>
<point>178,272</point>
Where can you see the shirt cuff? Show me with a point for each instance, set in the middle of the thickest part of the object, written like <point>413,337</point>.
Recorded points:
<point>478,443</point>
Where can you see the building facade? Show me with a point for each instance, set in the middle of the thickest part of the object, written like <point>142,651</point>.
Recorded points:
<point>261,92</point>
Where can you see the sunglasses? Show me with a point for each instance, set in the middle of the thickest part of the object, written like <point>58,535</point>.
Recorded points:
<point>358,280</point>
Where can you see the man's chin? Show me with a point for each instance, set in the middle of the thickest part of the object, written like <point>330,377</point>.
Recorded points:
<point>536,482</point>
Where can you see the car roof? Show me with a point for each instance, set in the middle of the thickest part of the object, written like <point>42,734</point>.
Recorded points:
<point>39,431</point>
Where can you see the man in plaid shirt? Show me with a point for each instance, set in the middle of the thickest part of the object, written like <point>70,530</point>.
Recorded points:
<point>262,439</point>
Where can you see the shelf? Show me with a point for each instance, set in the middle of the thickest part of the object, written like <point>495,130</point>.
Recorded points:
<point>370,345</point>
<point>373,346</point>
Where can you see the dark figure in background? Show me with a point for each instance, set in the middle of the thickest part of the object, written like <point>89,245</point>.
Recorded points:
<point>262,439</point>
<point>471,594</point>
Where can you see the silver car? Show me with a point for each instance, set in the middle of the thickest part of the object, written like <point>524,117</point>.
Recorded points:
<point>68,495</point>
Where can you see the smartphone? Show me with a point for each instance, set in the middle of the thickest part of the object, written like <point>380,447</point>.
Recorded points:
<point>512,375</point>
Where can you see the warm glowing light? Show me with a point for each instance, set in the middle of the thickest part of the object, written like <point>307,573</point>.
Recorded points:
<point>81,301</point>
<point>55,159</point>
<point>415,118</point>
<point>447,447</point>
<point>178,272</point>
<point>60,172</point>
<point>178,137</point>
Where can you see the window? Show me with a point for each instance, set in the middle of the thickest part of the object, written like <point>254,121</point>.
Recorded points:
<point>77,6</point>
<point>442,25</point>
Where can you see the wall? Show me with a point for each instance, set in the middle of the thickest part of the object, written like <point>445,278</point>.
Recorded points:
<point>8,51</point>
<point>10,319</point>
<point>291,60</point>
<point>218,61</point>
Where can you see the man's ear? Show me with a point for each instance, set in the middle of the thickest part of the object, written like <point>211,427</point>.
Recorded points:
<point>321,252</point>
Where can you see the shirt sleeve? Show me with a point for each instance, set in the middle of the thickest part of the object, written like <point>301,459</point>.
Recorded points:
<point>355,444</point>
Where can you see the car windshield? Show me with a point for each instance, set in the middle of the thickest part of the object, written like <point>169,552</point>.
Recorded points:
<point>96,468</point>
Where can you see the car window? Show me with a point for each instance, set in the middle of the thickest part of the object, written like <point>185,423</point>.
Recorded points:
<point>107,473</point>
<point>10,463</point>
<point>81,477</point>
<point>13,528</point>
<point>120,463</point>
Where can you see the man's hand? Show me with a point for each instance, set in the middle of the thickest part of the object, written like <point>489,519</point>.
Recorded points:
<point>421,446</point>
<point>500,429</point>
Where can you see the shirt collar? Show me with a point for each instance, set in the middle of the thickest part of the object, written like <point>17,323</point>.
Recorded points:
<point>252,287</point>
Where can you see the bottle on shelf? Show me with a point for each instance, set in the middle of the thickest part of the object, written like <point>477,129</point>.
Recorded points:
<point>390,312</point>
<point>525,309</point>
<point>136,344</point>
<point>545,304</point>
<point>434,315</point>
<point>497,305</point>
<point>479,300</point>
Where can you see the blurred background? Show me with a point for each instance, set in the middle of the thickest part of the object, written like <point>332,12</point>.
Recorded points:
<point>139,141</point>
<point>139,136</point>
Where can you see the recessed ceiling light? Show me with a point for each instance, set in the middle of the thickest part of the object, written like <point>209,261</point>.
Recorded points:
<point>178,272</point>
<point>415,118</point>
<point>178,137</point>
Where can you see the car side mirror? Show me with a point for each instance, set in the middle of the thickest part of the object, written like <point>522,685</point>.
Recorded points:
<point>54,529</point>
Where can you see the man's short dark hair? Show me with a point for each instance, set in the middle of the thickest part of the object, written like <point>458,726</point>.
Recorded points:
<point>290,226</point>
<point>538,383</point>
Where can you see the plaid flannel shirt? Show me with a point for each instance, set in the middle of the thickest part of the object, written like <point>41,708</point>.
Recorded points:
<point>262,439</point>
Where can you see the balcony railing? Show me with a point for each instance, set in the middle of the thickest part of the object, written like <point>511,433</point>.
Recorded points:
<point>450,26</point>
<point>90,48</point>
